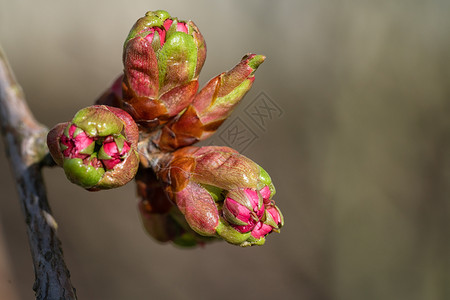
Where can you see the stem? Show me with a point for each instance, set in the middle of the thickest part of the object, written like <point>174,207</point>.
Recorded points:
<point>150,155</point>
<point>26,149</point>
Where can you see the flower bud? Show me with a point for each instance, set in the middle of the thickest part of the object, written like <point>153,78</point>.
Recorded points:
<point>273,217</point>
<point>113,151</point>
<point>243,209</point>
<point>97,149</point>
<point>162,59</point>
<point>222,193</point>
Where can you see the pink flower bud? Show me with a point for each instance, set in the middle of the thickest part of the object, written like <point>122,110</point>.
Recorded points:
<point>75,143</point>
<point>115,151</point>
<point>275,214</point>
<point>273,217</point>
<point>243,209</point>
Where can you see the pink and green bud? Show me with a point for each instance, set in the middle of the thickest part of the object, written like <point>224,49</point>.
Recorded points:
<point>97,149</point>
<point>222,193</point>
<point>162,59</point>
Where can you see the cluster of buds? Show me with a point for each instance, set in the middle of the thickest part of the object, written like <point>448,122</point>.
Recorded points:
<point>190,195</point>
<point>98,148</point>
<point>221,193</point>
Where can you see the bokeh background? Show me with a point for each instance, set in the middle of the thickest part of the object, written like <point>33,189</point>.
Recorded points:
<point>360,156</point>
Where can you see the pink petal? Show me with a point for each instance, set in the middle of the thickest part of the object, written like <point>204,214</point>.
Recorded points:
<point>162,35</point>
<point>261,230</point>
<point>82,141</point>
<point>111,149</point>
<point>239,211</point>
<point>252,195</point>
<point>265,193</point>
<point>167,24</point>
<point>275,214</point>
<point>182,27</point>
<point>244,228</point>
<point>149,37</point>
<point>125,149</point>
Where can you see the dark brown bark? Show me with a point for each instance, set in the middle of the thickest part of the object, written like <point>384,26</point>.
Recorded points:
<point>27,151</point>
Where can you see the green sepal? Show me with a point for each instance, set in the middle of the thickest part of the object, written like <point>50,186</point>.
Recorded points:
<point>252,241</point>
<point>232,218</point>
<point>269,220</point>
<point>66,131</point>
<point>120,141</point>
<point>62,146</point>
<point>102,154</point>
<point>98,122</point>
<point>229,234</point>
<point>89,149</point>
<point>264,179</point>
<point>215,192</point>
<point>77,132</point>
<point>240,196</point>
<point>162,14</point>
<point>79,173</point>
<point>172,28</point>
<point>156,42</point>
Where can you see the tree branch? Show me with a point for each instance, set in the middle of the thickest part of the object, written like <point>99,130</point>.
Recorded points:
<point>26,149</point>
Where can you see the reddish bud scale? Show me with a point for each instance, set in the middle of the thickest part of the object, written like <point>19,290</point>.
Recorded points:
<point>211,106</point>
<point>161,219</point>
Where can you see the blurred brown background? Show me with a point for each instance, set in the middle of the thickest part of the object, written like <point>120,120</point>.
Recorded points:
<point>360,156</point>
